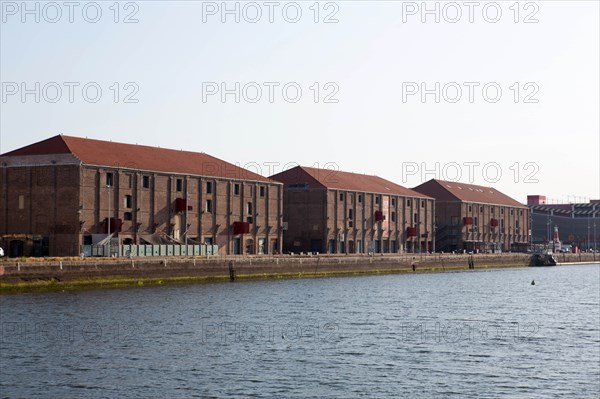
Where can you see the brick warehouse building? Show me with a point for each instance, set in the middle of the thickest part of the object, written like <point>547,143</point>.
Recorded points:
<point>476,218</point>
<point>59,194</point>
<point>341,212</point>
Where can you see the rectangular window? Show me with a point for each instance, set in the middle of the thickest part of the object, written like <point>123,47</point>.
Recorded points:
<point>470,208</point>
<point>209,207</point>
<point>481,209</point>
<point>359,198</point>
<point>492,209</point>
<point>517,224</point>
<point>109,179</point>
<point>376,200</point>
<point>249,220</point>
<point>249,190</point>
<point>416,218</point>
<point>408,203</point>
<point>249,208</point>
<point>127,202</point>
<point>179,185</point>
<point>502,211</point>
<point>127,216</point>
<point>512,211</point>
<point>350,214</point>
<point>393,216</point>
<point>393,201</point>
<point>341,196</point>
<point>129,180</point>
<point>236,189</point>
<point>475,221</point>
<point>422,203</point>
<point>21,202</point>
<point>521,212</point>
<point>262,191</point>
<point>146,181</point>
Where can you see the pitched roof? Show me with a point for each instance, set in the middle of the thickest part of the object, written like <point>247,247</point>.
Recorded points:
<point>335,179</point>
<point>443,190</point>
<point>141,157</point>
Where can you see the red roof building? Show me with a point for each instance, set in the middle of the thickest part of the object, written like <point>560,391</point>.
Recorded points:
<point>477,218</point>
<point>64,192</point>
<point>340,212</point>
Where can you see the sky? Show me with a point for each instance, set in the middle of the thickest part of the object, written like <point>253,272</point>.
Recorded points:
<point>503,94</point>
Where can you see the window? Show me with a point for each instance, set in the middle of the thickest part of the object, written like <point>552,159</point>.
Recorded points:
<point>209,207</point>
<point>416,218</point>
<point>502,211</point>
<point>341,196</point>
<point>236,189</point>
<point>512,211</point>
<point>475,221</point>
<point>376,200</point>
<point>359,198</point>
<point>481,209</point>
<point>249,208</point>
<point>492,209</point>
<point>208,187</point>
<point>179,185</point>
<point>470,208</point>
<point>127,201</point>
<point>521,212</point>
<point>393,201</point>
<point>109,179</point>
<point>350,214</point>
<point>393,216</point>
<point>129,180</point>
<point>408,203</point>
<point>261,190</point>
<point>146,181</point>
<point>249,220</point>
<point>127,216</point>
<point>21,202</point>
<point>517,224</point>
<point>422,203</point>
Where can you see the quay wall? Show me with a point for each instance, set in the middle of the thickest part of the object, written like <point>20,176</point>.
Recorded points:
<point>219,267</point>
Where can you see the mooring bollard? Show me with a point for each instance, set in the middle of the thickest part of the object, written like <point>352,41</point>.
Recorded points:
<point>231,271</point>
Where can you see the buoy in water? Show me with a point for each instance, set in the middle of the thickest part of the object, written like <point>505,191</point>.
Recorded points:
<point>532,282</point>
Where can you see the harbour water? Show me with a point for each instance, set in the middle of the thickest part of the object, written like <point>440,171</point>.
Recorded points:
<point>487,334</point>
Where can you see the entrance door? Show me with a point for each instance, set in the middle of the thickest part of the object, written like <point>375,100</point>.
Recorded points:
<point>316,245</point>
<point>16,249</point>
<point>237,250</point>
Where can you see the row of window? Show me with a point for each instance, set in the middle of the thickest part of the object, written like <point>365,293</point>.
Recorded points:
<point>127,203</point>
<point>493,210</point>
<point>378,199</point>
<point>179,184</point>
<point>392,216</point>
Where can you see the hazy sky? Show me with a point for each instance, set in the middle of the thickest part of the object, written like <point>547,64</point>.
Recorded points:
<point>503,95</point>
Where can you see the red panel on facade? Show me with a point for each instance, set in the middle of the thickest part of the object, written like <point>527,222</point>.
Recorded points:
<point>467,221</point>
<point>180,204</point>
<point>494,222</point>
<point>411,231</point>
<point>241,228</point>
<point>115,225</point>
<point>378,216</point>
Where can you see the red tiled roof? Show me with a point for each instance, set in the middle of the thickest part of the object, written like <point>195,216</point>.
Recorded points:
<point>443,190</point>
<point>133,156</point>
<point>335,179</point>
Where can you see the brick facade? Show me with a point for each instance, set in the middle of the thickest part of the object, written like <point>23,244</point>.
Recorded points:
<point>336,220</point>
<point>52,204</point>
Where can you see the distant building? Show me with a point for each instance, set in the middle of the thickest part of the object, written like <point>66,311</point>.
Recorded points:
<point>578,223</point>
<point>476,218</point>
<point>329,211</point>
<point>64,192</point>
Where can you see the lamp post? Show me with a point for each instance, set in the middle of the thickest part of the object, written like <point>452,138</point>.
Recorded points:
<point>108,220</point>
